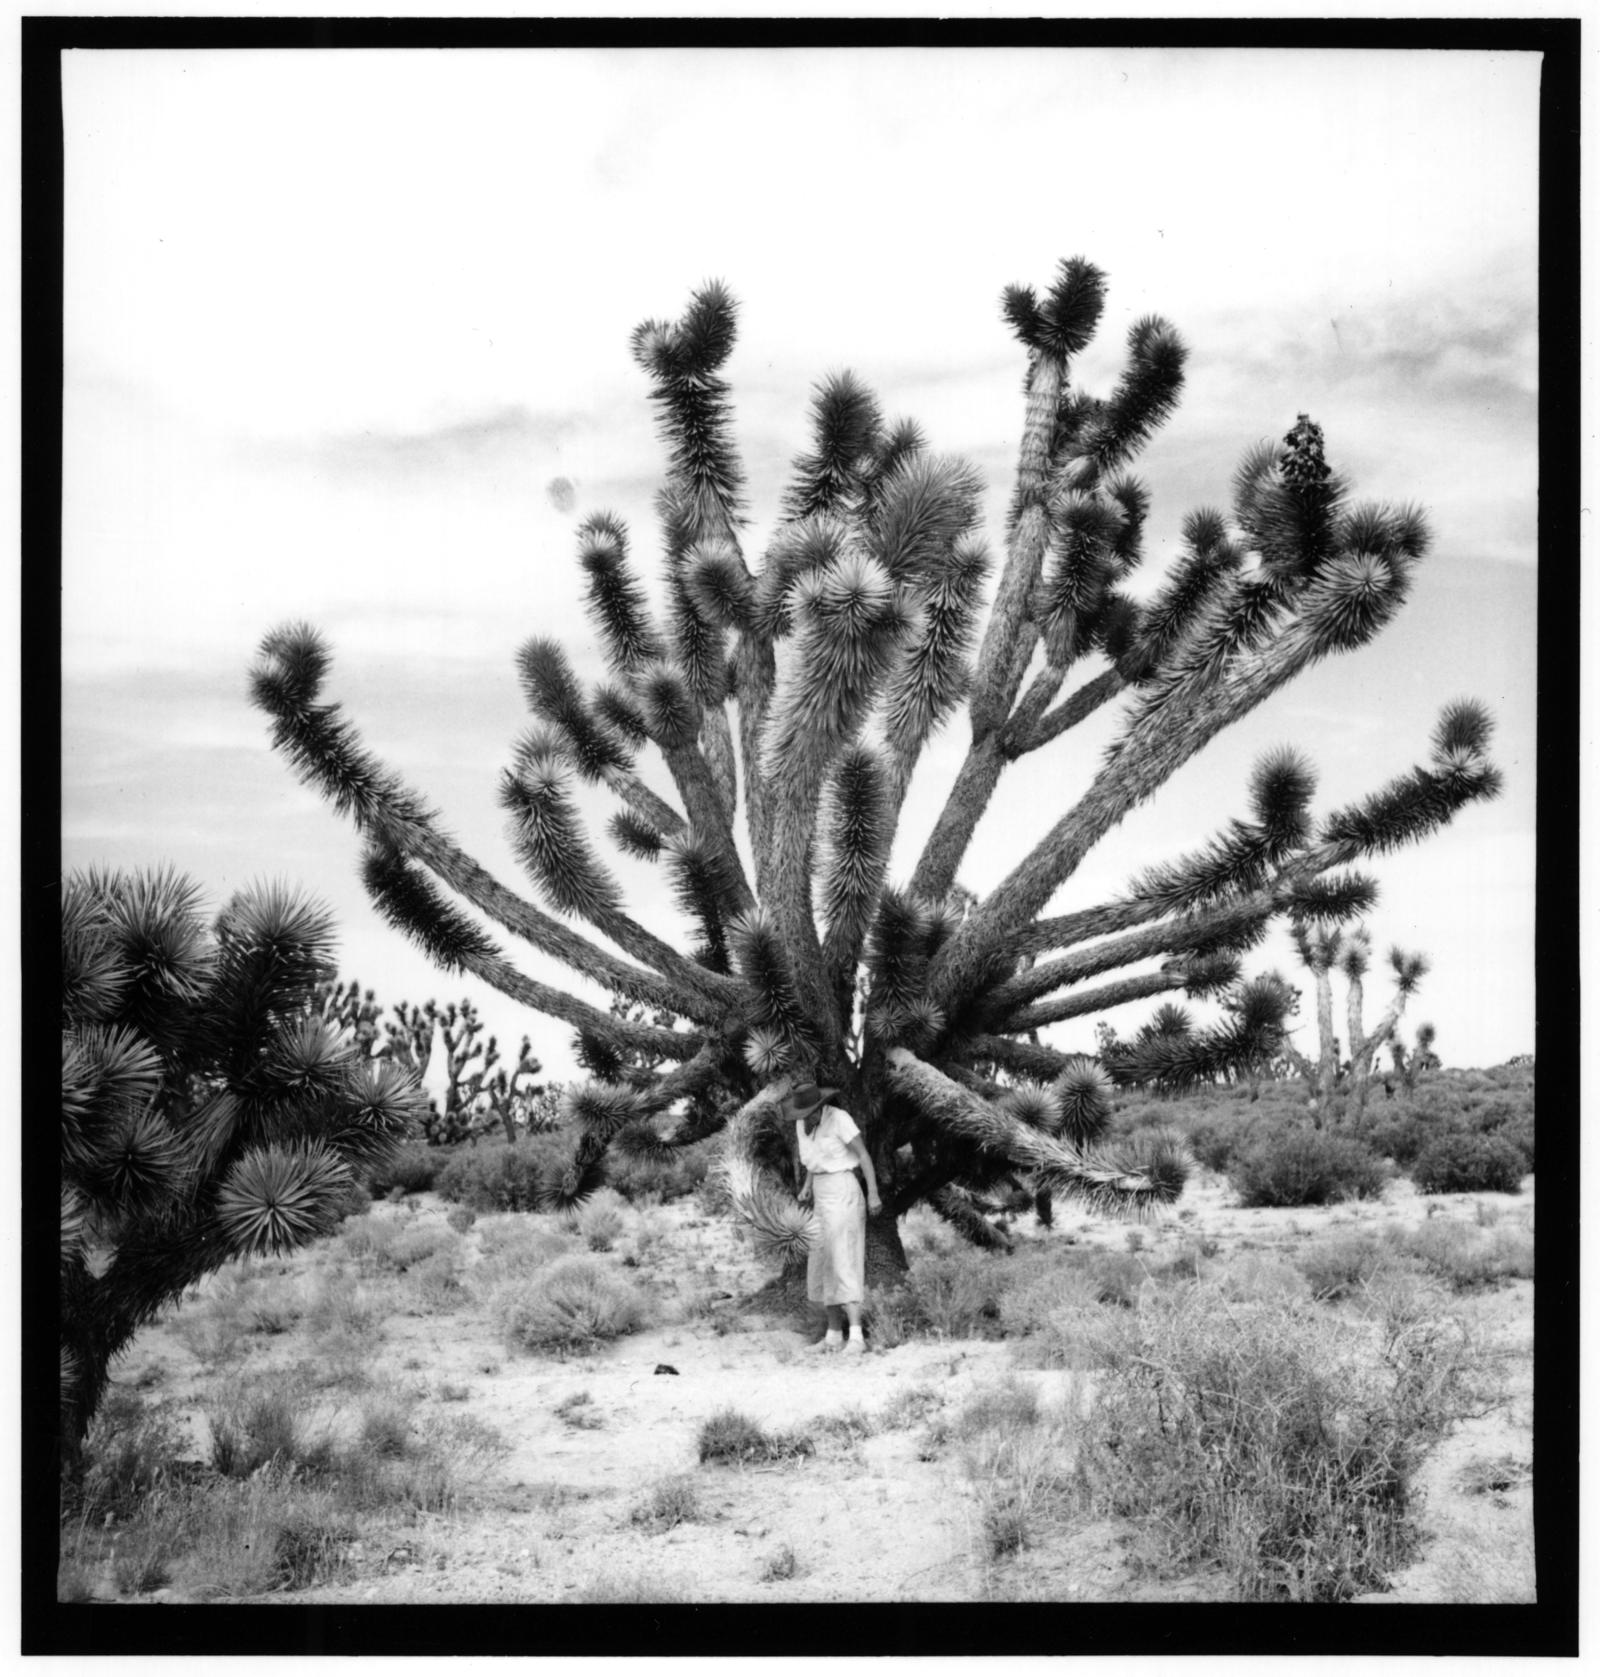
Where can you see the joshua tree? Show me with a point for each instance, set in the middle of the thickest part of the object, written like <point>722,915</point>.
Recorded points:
<point>790,703</point>
<point>208,1110</point>
<point>1322,950</point>
<point>1412,1062</point>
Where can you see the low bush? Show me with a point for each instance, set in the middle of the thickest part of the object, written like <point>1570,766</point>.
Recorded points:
<point>599,1219</point>
<point>955,1295</point>
<point>576,1303</point>
<point>413,1169</point>
<point>1469,1164</point>
<point>1270,1442</point>
<point>729,1436</point>
<point>411,1248</point>
<point>1465,1256</point>
<point>661,1180</point>
<point>505,1176</point>
<point>1339,1265</point>
<point>129,1452</point>
<point>1307,1167</point>
<point>1215,1137</point>
<point>668,1503</point>
<point>460,1218</point>
<point>263,1425</point>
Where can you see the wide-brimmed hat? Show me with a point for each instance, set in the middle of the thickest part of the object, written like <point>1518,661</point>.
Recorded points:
<point>806,1097</point>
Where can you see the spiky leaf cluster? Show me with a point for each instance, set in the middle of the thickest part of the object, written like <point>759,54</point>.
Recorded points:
<point>209,1110</point>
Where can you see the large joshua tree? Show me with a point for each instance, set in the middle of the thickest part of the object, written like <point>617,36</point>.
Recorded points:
<point>790,701</point>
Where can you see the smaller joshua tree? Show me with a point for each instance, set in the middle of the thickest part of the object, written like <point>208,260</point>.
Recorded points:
<point>1322,950</point>
<point>209,1110</point>
<point>1411,1063</point>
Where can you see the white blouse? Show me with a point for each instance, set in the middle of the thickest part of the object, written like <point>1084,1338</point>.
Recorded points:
<point>828,1146</point>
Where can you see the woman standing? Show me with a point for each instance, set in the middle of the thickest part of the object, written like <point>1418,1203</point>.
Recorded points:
<point>831,1150</point>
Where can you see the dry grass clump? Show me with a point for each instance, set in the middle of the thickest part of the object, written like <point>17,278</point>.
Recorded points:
<point>1339,1265</point>
<point>600,1219</point>
<point>670,1502</point>
<point>780,1566</point>
<point>579,1411</point>
<point>1465,1256</point>
<point>729,1436</point>
<point>1018,1455</point>
<point>276,1510</point>
<point>574,1304</point>
<point>1271,1441</point>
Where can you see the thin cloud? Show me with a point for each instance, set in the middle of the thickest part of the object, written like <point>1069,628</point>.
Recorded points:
<point>489,438</point>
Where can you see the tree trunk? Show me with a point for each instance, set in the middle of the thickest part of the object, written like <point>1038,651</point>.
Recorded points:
<point>886,1257</point>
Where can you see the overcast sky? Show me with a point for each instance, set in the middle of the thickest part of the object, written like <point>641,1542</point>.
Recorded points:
<point>347,341</point>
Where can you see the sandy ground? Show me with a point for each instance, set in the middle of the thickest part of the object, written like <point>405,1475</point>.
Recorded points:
<point>553,1517</point>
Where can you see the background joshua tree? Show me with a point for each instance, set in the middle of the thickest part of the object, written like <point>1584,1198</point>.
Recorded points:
<point>208,1110</point>
<point>789,703</point>
<point>1321,950</point>
<point>1411,1063</point>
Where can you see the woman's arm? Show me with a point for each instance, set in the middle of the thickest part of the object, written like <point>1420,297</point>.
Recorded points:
<point>858,1151</point>
<point>804,1196</point>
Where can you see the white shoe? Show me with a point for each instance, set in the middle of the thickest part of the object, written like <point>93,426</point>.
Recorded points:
<point>829,1342</point>
<point>856,1343</point>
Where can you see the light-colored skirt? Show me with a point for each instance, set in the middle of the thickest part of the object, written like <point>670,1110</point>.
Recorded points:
<point>838,1261</point>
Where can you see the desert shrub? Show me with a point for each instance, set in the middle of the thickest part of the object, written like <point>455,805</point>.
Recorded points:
<point>385,1426</point>
<point>599,1219</point>
<point>1259,1277</point>
<point>413,1170</point>
<point>780,1566</point>
<point>413,1247</point>
<point>729,1436</point>
<point>129,1453</point>
<point>1306,1167</point>
<point>1115,1278</point>
<point>660,1180</point>
<point>1399,1133</point>
<point>1466,1257</point>
<point>460,1218</point>
<point>956,1295</point>
<point>435,1285</point>
<point>1338,1265</point>
<point>1005,1404</point>
<point>669,1502</point>
<point>910,1407</point>
<point>369,1239</point>
<point>1271,1442</point>
<point>261,1425</point>
<point>1469,1164</point>
<point>576,1303</point>
<point>353,1199</point>
<point>502,1176</point>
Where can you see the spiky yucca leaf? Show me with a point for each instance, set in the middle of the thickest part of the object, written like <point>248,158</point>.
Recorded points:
<point>642,1141</point>
<point>897,956</point>
<point>1464,725</point>
<point>634,836</point>
<point>617,604</point>
<point>278,1198</point>
<point>782,1229</point>
<point>767,1051</point>
<point>1143,400</point>
<point>718,584</point>
<point>668,707</point>
<point>308,1059</point>
<point>1354,596</point>
<point>763,963</point>
<point>692,401</point>
<point>550,842</point>
<point>857,825</point>
<point>106,1070</point>
<point>1082,1095</point>
<point>1334,898</point>
<point>553,693</point>
<point>703,884</point>
<point>924,508</point>
<point>321,743</point>
<point>382,1104</point>
<point>1065,322</point>
<point>1281,787</point>
<point>94,977</point>
<point>408,900</point>
<point>1035,1105</point>
<point>933,672</point>
<point>847,427</point>
<point>74,1226</point>
<point>1409,969</point>
<point>138,1165</point>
